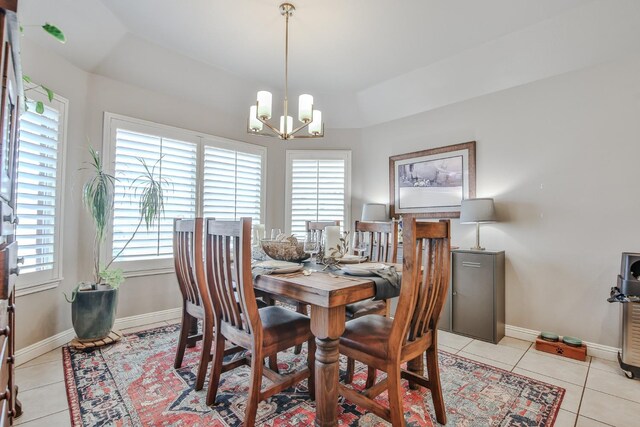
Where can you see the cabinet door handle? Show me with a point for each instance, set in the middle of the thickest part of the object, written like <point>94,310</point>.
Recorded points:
<point>471,264</point>
<point>454,293</point>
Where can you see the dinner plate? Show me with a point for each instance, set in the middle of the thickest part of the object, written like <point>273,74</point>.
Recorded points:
<point>364,269</point>
<point>352,259</point>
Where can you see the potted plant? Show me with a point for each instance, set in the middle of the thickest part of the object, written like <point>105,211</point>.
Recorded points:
<point>94,303</point>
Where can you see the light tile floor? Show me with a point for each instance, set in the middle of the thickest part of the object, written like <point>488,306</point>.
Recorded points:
<point>597,393</point>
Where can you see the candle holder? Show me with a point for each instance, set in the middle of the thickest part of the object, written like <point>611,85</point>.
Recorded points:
<point>330,257</point>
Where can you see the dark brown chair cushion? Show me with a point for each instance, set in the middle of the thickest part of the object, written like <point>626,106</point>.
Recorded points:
<point>280,324</point>
<point>362,308</point>
<point>368,334</point>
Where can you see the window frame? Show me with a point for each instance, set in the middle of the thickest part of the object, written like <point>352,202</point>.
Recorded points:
<point>37,281</point>
<point>292,155</point>
<point>112,121</point>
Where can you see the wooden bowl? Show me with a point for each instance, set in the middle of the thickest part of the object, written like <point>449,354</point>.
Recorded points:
<point>284,250</point>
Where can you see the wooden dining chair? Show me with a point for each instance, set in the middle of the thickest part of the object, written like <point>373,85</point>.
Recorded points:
<point>238,319</point>
<point>383,247</point>
<point>189,265</point>
<point>384,343</point>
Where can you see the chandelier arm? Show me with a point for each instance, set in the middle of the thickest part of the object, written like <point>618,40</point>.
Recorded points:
<point>320,135</point>
<point>299,128</point>
<point>272,128</point>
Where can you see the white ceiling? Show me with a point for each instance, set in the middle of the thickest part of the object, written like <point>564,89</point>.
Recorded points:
<point>344,52</point>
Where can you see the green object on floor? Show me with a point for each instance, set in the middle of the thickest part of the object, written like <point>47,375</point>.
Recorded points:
<point>573,342</point>
<point>549,336</point>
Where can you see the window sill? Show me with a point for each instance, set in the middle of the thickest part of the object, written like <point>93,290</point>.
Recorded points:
<point>32,288</point>
<point>143,273</point>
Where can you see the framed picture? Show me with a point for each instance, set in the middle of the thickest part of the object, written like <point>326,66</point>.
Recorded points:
<point>432,183</point>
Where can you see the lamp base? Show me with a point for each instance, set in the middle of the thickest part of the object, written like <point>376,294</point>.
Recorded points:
<point>477,248</point>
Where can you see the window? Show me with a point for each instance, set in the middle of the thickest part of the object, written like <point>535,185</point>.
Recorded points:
<point>203,176</point>
<point>318,188</point>
<point>232,184</point>
<point>38,191</point>
<point>172,162</point>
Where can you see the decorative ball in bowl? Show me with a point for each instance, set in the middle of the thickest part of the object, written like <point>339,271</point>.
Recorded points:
<point>285,248</point>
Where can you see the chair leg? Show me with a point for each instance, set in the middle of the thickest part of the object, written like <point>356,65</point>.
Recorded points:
<point>371,377</point>
<point>433,371</point>
<point>273,363</point>
<point>395,396</point>
<point>302,309</point>
<point>182,341</point>
<point>311,363</point>
<point>205,354</point>
<point>216,368</point>
<point>254,390</point>
<point>351,366</point>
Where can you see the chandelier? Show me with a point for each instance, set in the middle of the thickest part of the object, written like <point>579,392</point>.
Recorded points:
<point>260,114</point>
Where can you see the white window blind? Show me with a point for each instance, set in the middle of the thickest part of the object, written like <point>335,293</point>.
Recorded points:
<point>318,189</point>
<point>174,163</point>
<point>37,202</point>
<point>232,184</point>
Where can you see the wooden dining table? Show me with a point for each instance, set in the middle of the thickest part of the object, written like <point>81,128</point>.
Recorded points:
<point>327,294</point>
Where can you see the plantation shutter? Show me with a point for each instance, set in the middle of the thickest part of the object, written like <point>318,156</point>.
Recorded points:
<point>36,188</point>
<point>232,184</point>
<point>318,192</point>
<point>173,163</point>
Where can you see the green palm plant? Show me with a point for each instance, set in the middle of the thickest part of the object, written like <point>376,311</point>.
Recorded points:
<point>98,195</point>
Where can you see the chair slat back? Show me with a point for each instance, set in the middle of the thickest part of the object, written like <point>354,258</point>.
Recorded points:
<point>228,265</point>
<point>188,260</point>
<point>383,240</point>
<point>425,280</point>
<point>318,226</point>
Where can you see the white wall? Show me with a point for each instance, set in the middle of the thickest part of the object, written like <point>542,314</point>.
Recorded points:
<point>561,157</point>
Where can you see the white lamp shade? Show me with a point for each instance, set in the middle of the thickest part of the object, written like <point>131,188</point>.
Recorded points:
<point>477,210</point>
<point>315,127</point>
<point>374,212</point>
<point>264,104</point>
<point>254,124</point>
<point>289,124</point>
<point>305,107</point>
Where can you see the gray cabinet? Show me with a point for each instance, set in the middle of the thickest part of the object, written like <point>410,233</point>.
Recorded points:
<point>475,305</point>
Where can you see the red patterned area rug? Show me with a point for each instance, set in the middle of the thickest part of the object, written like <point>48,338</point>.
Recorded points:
<point>133,383</point>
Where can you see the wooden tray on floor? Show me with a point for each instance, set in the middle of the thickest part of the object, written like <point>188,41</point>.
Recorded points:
<point>562,349</point>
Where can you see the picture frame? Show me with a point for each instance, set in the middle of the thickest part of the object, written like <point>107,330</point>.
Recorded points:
<point>432,183</point>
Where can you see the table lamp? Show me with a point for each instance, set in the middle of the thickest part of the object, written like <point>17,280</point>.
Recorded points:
<point>476,211</point>
<point>374,212</point>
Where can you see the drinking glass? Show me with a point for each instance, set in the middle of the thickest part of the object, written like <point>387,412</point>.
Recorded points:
<point>275,232</point>
<point>311,245</point>
<point>359,244</point>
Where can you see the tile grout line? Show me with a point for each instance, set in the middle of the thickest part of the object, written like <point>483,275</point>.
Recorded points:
<point>39,418</point>
<point>523,354</point>
<point>41,385</point>
<point>584,387</point>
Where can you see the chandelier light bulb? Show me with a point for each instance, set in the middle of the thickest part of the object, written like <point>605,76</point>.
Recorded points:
<point>254,124</point>
<point>289,125</point>
<point>315,127</point>
<point>305,105</point>
<point>264,105</point>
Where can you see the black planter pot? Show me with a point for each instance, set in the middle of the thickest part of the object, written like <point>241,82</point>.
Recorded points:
<point>93,313</point>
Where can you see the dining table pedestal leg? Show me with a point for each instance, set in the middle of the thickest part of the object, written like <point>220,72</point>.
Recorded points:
<point>327,325</point>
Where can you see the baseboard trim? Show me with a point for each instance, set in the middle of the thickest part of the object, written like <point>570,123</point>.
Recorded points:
<point>146,318</point>
<point>593,349</point>
<point>41,347</point>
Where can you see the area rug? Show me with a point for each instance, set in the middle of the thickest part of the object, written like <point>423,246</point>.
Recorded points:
<point>133,383</point>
